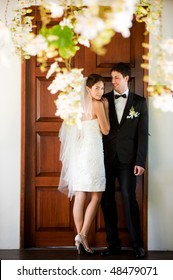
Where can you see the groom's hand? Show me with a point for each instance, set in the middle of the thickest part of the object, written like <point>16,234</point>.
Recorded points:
<point>138,170</point>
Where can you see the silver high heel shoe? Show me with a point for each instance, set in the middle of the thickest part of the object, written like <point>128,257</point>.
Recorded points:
<point>78,242</point>
<point>83,247</point>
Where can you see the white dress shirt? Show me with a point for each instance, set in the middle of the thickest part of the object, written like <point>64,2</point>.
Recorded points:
<point>120,104</point>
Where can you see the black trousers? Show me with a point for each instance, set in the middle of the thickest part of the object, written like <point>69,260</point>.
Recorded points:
<point>127,181</point>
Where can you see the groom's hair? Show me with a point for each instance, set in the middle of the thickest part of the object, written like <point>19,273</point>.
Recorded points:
<point>123,68</point>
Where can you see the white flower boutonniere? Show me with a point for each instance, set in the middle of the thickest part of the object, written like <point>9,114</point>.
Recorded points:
<point>132,113</point>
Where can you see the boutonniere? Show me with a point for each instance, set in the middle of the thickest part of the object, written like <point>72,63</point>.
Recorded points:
<point>133,113</point>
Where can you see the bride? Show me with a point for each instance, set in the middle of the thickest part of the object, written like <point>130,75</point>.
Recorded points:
<point>81,153</point>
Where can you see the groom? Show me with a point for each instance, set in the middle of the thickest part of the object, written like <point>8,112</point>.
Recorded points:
<point>125,150</point>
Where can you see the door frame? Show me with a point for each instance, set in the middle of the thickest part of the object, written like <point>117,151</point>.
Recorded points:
<point>23,161</point>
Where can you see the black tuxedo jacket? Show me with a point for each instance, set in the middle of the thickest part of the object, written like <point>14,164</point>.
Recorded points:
<point>129,138</point>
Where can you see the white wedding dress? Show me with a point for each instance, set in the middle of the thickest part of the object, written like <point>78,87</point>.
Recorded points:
<point>82,158</point>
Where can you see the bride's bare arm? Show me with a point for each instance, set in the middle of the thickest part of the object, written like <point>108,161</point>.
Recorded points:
<point>106,107</point>
<point>100,111</point>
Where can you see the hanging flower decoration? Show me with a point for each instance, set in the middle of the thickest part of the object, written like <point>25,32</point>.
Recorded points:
<point>91,23</point>
<point>70,85</point>
<point>21,25</point>
<point>164,101</point>
<point>87,23</point>
<point>160,78</point>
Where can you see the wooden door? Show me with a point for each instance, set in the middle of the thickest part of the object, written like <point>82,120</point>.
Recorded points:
<point>46,216</point>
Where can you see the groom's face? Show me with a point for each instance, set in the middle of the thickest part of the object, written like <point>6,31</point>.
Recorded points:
<point>119,82</point>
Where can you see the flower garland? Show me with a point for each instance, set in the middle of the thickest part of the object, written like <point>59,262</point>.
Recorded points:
<point>21,25</point>
<point>91,23</point>
<point>160,80</point>
<point>87,23</point>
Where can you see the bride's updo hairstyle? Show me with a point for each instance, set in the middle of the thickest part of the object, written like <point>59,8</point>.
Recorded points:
<point>90,81</point>
<point>93,79</point>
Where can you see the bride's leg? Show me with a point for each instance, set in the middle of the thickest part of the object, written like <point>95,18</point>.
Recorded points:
<point>78,210</point>
<point>90,213</point>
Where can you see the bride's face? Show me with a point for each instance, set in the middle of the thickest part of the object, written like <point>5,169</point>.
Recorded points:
<point>97,90</point>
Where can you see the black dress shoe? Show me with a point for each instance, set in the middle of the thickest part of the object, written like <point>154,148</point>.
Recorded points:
<point>139,252</point>
<point>111,251</point>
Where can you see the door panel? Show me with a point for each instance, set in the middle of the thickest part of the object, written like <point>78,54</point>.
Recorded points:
<point>47,213</point>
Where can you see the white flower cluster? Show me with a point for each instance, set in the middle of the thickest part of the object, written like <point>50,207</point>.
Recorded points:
<point>122,16</point>
<point>70,86</point>
<point>133,113</point>
<point>35,44</point>
<point>164,102</point>
<point>55,6</point>
<point>69,108</point>
<point>89,24</point>
<point>21,25</point>
<point>166,64</point>
<point>167,45</point>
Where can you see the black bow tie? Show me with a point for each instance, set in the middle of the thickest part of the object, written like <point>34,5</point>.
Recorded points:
<point>120,95</point>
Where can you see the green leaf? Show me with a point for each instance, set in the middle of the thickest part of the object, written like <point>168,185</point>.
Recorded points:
<point>44,32</point>
<point>66,37</point>
<point>68,52</point>
<point>61,38</point>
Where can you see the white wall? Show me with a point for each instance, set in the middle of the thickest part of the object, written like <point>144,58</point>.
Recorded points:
<point>10,126</point>
<point>160,180</point>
